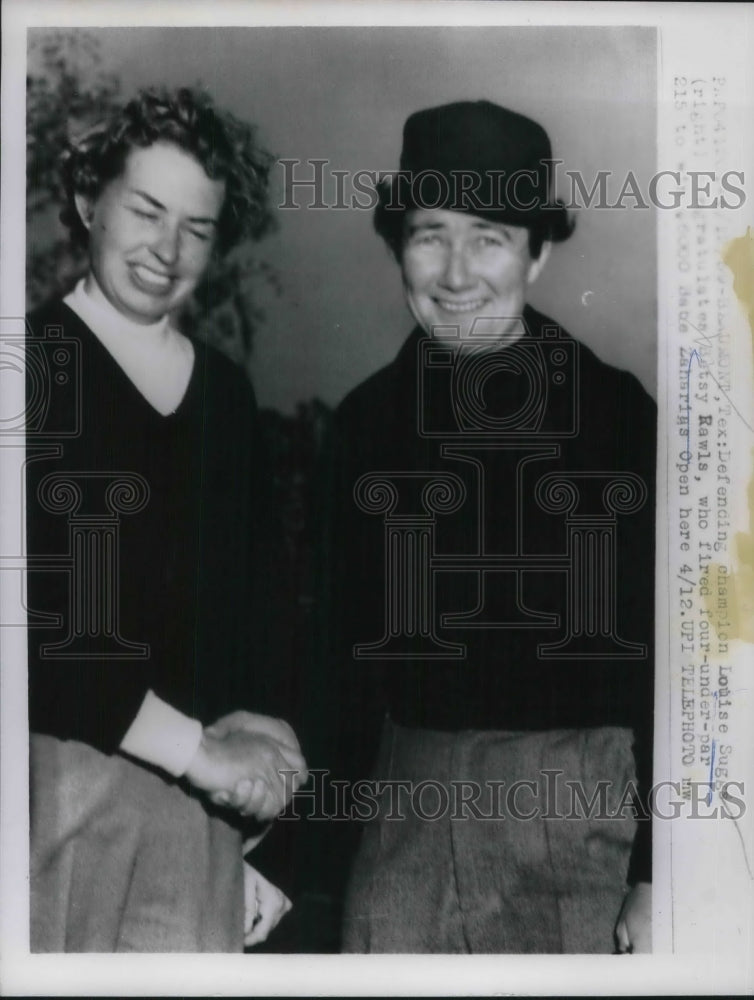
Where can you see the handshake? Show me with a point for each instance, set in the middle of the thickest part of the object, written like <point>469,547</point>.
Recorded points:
<point>248,762</point>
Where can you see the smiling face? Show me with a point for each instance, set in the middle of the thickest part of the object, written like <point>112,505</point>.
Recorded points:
<point>151,232</point>
<point>458,268</point>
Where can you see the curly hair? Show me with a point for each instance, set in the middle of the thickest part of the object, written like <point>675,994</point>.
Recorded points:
<point>389,221</point>
<point>224,146</point>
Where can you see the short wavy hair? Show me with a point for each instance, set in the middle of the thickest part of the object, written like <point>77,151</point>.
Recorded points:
<point>389,221</point>
<point>225,146</point>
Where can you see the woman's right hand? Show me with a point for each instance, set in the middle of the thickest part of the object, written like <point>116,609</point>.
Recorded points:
<point>242,766</point>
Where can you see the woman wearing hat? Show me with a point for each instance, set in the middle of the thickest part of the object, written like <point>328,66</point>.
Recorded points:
<point>492,607</point>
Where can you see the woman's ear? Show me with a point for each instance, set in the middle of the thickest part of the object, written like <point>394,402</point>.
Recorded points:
<point>537,266</point>
<point>85,208</point>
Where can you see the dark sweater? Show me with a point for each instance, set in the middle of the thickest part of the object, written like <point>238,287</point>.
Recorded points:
<point>600,420</point>
<point>190,558</point>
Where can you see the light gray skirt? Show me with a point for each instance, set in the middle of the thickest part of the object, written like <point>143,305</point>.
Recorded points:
<point>124,861</point>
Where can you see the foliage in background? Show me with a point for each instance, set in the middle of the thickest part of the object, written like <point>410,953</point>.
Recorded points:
<point>65,88</point>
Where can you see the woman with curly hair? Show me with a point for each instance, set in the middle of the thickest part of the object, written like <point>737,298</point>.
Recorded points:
<point>145,762</point>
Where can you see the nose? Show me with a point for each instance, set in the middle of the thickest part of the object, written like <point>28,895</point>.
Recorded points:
<point>456,275</point>
<point>166,244</point>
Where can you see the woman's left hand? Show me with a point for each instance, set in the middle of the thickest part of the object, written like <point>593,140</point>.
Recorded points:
<point>265,906</point>
<point>634,928</point>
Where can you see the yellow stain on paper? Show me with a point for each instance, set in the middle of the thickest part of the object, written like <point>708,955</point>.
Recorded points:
<point>734,590</point>
<point>739,257</point>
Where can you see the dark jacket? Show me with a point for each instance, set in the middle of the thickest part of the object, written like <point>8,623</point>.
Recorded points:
<point>509,434</point>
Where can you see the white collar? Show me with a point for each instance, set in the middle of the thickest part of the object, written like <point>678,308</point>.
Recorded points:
<point>155,357</point>
<point>99,313</point>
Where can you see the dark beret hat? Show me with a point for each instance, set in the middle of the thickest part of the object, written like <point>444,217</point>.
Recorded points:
<point>478,157</point>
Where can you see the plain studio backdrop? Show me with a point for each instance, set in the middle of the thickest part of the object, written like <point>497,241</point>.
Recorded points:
<point>342,95</point>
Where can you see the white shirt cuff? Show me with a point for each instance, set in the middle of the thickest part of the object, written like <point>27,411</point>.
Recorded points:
<point>163,736</point>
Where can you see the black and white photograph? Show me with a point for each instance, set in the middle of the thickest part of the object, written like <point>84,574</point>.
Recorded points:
<point>377,570</point>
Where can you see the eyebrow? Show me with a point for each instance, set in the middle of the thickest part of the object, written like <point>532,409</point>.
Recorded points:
<point>480,224</point>
<point>491,227</point>
<point>415,226</point>
<point>158,204</point>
